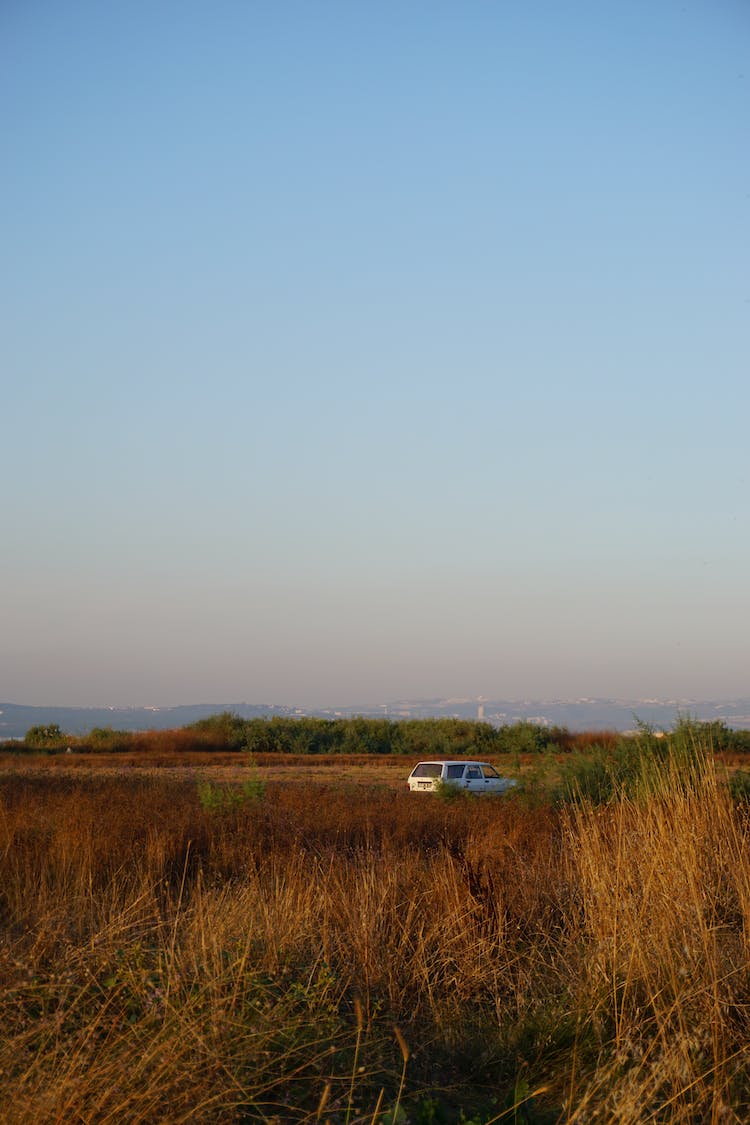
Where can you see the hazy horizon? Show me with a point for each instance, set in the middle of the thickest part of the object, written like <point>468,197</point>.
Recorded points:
<point>350,705</point>
<point>377,351</point>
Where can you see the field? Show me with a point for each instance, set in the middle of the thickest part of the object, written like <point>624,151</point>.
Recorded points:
<point>191,938</point>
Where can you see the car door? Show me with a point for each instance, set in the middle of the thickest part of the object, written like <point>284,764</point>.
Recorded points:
<point>493,783</point>
<point>473,779</point>
<point>454,773</point>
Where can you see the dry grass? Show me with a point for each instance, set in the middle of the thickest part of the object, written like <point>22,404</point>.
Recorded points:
<point>162,963</point>
<point>665,886</point>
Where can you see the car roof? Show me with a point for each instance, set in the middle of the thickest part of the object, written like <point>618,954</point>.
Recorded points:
<point>451,762</point>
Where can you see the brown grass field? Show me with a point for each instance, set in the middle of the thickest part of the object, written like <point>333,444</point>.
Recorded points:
<point>176,948</point>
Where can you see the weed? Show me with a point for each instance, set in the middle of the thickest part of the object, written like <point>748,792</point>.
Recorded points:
<point>738,785</point>
<point>449,792</point>
<point>222,799</point>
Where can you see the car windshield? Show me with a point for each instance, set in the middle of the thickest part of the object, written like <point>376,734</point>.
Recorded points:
<point>427,769</point>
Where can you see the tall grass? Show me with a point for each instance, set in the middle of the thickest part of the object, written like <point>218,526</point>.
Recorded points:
<point>314,955</point>
<point>665,890</point>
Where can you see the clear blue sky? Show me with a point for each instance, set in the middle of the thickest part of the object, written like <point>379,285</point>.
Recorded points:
<point>357,351</point>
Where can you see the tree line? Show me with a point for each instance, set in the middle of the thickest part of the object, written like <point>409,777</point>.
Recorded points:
<point>422,738</point>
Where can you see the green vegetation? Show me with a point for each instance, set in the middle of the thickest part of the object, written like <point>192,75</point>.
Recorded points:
<point>227,728</point>
<point>222,799</point>
<point>739,785</point>
<point>638,766</point>
<point>107,740</point>
<point>416,738</point>
<point>599,760</point>
<point>444,791</point>
<point>48,737</point>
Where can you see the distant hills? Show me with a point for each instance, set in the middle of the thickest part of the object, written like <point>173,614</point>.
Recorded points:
<point>576,715</point>
<point>16,719</point>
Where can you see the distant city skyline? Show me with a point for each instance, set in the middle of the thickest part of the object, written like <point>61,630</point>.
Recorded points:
<point>363,352</point>
<point>576,715</point>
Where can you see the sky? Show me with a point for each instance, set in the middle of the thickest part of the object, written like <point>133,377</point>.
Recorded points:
<point>354,352</point>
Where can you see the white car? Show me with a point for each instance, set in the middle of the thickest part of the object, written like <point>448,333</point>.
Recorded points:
<point>477,777</point>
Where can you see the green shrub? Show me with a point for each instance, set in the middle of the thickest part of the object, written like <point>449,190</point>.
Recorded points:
<point>419,738</point>
<point>227,726</point>
<point>447,791</point>
<point>522,738</point>
<point>739,741</point>
<point>739,785</point>
<point>105,739</point>
<point>221,799</point>
<point>601,773</point>
<point>643,765</point>
<point>45,737</point>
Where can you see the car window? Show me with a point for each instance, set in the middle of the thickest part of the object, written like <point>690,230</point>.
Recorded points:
<point>473,773</point>
<point>490,771</point>
<point>427,769</point>
<point>454,772</point>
